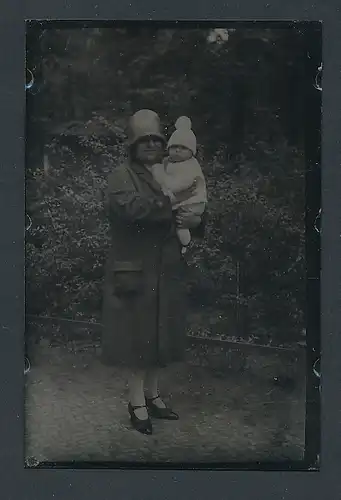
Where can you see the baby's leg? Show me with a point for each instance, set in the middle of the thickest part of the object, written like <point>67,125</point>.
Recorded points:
<point>184,236</point>
<point>196,209</point>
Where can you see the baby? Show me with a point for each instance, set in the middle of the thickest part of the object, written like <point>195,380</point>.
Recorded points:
<point>179,172</point>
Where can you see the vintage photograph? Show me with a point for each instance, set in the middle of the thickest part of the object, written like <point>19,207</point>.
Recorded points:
<point>166,291</point>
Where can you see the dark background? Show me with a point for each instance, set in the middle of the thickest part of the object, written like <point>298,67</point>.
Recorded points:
<point>248,101</point>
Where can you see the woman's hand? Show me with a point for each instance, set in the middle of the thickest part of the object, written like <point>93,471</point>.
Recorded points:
<point>187,221</point>
<point>170,194</point>
<point>187,193</point>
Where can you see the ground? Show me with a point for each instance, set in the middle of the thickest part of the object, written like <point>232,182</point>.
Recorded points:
<point>76,410</point>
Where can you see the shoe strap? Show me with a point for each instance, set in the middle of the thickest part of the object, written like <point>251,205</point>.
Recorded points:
<point>137,407</point>
<point>155,397</point>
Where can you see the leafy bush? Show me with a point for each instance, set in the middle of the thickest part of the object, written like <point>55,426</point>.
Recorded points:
<point>247,278</point>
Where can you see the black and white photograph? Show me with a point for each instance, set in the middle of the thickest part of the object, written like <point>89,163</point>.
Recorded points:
<point>166,242</point>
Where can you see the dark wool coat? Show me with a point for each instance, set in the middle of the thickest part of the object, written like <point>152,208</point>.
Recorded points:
<point>144,291</point>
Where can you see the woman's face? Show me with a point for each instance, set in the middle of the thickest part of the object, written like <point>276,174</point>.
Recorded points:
<point>149,150</point>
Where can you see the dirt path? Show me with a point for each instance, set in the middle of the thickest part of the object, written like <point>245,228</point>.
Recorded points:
<point>76,410</point>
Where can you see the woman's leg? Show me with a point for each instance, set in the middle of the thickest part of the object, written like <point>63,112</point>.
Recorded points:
<point>155,404</point>
<point>136,394</point>
<point>151,387</point>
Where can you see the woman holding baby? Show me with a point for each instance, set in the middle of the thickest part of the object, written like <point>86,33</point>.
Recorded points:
<point>153,201</point>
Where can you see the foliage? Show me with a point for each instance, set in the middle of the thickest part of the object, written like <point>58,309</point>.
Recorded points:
<point>247,276</point>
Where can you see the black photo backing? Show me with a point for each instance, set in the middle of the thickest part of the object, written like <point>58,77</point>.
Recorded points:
<point>322,219</point>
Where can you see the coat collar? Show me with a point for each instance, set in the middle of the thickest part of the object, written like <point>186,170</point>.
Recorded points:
<point>145,174</point>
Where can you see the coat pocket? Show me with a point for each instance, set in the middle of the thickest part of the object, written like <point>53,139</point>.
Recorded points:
<point>127,278</point>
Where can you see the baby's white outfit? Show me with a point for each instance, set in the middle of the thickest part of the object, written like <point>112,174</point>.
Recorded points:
<point>175,177</point>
